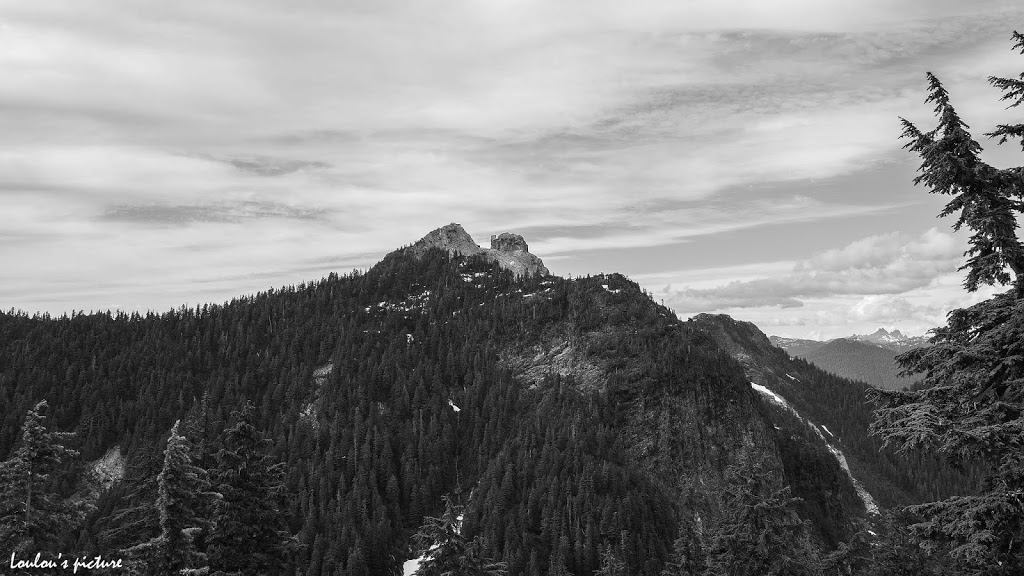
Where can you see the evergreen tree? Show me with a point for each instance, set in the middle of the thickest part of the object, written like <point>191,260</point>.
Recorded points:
<point>1013,91</point>
<point>248,534</point>
<point>971,406</point>
<point>181,489</point>
<point>988,199</point>
<point>446,552</point>
<point>136,519</point>
<point>33,516</point>
<point>610,564</point>
<point>895,551</point>
<point>760,533</point>
<point>687,555</point>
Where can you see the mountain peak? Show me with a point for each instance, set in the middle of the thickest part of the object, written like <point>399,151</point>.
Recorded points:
<point>883,337</point>
<point>509,250</point>
<point>452,238</point>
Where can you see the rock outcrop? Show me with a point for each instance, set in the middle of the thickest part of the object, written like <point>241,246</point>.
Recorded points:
<point>452,238</point>
<point>510,251</point>
<point>506,242</point>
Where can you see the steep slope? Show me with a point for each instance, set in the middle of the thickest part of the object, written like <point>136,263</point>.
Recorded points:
<point>575,417</point>
<point>838,408</point>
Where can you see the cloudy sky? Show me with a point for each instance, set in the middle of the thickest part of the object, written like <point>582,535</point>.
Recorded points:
<point>730,156</point>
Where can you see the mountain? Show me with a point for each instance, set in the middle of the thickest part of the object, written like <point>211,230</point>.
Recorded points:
<point>869,358</point>
<point>859,360</point>
<point>576,420</point>
<point>894,340</point>
<point>796,346</point>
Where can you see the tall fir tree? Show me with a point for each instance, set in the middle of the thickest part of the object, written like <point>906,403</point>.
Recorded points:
<point>687,554</point>
<point>446,551</point>
<point>610,564</point>
<point>971,407</point>
<point>760,533</point>
<point>182,487</point>
<point>249,533</point>
<point>33,516</point>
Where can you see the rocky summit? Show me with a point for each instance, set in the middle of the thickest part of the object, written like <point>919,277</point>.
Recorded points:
<point>509,250</point>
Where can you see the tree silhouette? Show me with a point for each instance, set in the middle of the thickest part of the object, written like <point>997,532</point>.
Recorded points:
<point>181,487</point>
<point>248,534</point>
<point>32,514</point>
<point>971,406</point>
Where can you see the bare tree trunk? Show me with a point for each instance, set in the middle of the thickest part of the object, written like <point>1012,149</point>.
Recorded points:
<point>1018,283</point>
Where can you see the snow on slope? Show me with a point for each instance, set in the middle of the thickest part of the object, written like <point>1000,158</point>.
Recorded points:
<point>865,497</point>
<point>775,397</point>
<point>409,567</point>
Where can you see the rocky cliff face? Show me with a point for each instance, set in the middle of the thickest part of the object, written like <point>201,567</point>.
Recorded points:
<point>510,251</point>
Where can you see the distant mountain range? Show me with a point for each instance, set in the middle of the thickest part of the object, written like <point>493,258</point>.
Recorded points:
<point>870,358</point>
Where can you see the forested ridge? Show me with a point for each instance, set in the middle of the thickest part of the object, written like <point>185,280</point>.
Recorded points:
<point>382,391</point>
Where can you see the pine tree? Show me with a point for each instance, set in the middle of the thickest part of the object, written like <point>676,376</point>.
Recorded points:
<point>136,520</point>
<point>610,564</point>
<point>987,199</point>
<point>687,555</point>
<point>1013,91</point>
<point>447,552</point>
<point>761,533</point>
<point>181,489</point>
<point>32,515</point>
<point>971,406</point>
<point>248,535</point>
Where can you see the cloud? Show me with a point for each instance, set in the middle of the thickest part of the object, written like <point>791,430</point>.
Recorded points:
<point>265,166</point>
<point>217,137</point>
<point>874,266</point>
<point>890,310</point>
<point>236,212</point>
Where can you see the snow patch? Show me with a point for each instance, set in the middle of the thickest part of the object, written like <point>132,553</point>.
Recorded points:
<point>411,566</point>
<point>320,374</point>
<point>825,428</point>
<point>773,396</point>
<point>869,502</point>
<point>456,409</point>
<point>791,377</point>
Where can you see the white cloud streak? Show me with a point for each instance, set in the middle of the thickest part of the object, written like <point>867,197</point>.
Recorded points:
<point>876,265</point>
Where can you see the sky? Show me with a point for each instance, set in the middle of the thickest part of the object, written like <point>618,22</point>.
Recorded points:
<point>737,157</point>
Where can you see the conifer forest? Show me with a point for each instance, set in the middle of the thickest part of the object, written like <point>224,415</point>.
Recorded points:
<point>440,413</point>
